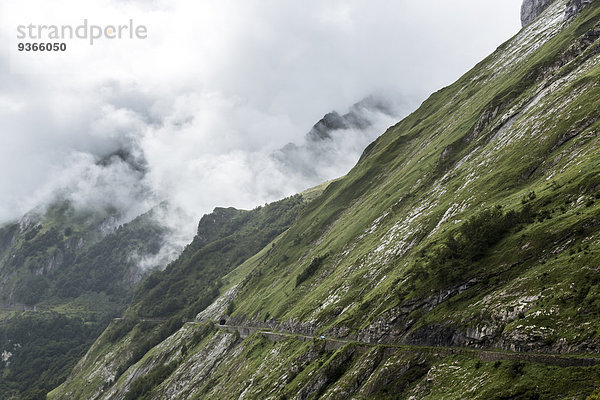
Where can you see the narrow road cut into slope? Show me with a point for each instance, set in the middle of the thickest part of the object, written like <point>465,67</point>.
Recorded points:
<point>487,355</point>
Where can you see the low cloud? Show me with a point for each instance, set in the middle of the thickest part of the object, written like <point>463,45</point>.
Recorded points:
<point>201,113</point>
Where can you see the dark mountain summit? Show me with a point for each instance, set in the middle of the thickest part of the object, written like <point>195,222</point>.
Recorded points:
<point>359,117</point>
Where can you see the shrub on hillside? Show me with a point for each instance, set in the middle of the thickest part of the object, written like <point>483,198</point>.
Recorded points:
<point>310,270</point>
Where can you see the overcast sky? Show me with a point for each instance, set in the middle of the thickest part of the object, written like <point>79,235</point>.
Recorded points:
<point>215,88</point>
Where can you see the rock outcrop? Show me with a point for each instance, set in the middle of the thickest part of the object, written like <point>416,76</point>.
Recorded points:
<point>574,7</point>
<point>530,9</point>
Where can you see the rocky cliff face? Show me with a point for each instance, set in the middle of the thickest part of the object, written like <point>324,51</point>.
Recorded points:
<point>530,9</point>
<point>574,7</point>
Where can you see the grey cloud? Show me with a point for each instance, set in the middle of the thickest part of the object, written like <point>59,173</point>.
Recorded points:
<point>200,113</point>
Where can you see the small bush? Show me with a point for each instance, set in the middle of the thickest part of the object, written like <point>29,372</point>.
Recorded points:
<point>529,197</point>
<point>594,396</point>
<point>230,308</point>
<point>120,329</point>
<point>589,203</point>
<point>310,270</point>
<point>146,383</point>
<point>515,369</point>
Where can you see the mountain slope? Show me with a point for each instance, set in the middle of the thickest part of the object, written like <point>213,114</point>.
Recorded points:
<point>474,223</point>
<point>72,265</point>
<point>64,274</point>
<point>225,239</point>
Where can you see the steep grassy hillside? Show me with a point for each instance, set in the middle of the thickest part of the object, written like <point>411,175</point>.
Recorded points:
<point>472,224</point>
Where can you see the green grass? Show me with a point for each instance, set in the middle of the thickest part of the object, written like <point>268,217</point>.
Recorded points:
<point>477,213</point>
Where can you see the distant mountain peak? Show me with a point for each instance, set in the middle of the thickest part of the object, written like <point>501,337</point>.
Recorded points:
<point>136,163</point>
<point>356,118</point>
